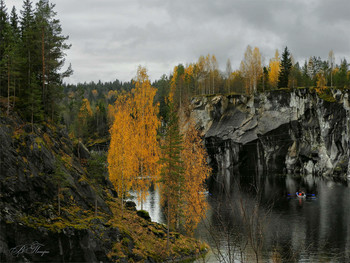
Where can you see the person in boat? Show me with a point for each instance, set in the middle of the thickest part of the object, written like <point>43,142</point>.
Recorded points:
<point>300,193</point>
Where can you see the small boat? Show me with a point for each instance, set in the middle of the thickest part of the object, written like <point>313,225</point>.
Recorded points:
<point>302,195</point>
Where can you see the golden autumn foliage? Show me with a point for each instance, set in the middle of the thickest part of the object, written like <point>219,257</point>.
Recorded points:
<point>112,94</point>
<point>94,93</point>
<point>134,150</point>
<point>184,171</point>
<point>196,170</point>
<point>134,155</point>
<point>321,82</point>
<point>84,114</point>
<point>146,124</point>
<point>85,110</point>
<point>121,158</point>
<point>251,68</point>
<point>274,69</point>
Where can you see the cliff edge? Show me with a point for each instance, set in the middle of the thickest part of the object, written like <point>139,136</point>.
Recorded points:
<point>296,131</point>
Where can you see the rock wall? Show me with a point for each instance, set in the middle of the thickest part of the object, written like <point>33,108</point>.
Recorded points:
<point>281,131</point>
<point>40,165</point>
<point>29,162</point>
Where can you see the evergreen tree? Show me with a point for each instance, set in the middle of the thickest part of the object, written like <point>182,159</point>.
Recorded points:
<point>10,65</point>
<point>286,65</point>
<point>3,26</point>
<point>163,87</point>
<point>53,46</point>
<point>264,83</point>
<point>172,174</point>
<point>3,23</point>
<point>306,80</point>
<point>14,21</point>
<point>340,77</point>
<point>28,51</point>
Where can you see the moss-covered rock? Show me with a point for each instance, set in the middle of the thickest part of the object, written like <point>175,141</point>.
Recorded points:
<point>144,214</point>
<point>41,167</point>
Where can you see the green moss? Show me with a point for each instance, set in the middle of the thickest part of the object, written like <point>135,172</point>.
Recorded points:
<point>125,241</point>
<point>92,142</point>
<point>18,134</point>
<point>67,160</point>
<point>327,97</point>
<point>39,141</point>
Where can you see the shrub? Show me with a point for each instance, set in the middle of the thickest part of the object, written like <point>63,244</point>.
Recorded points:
<point>144,214</point>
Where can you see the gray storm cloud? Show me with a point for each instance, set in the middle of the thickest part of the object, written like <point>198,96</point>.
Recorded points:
<point>111,38</point>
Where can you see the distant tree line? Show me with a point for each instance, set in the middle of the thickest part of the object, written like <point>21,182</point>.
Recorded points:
<point>87,107</point>
<point>32,57</point>
<point>204,77</point>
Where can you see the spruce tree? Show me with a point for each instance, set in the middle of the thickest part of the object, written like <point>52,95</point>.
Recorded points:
<point>3,22</point>
<point>14,21</point>
<point>10,65</point>
<point>3,25</point>
<point>286,65</point>
<point>31,95</point>
<point>172,174</point>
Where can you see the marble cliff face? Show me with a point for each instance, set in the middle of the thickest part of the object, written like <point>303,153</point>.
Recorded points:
<point>280,131</point>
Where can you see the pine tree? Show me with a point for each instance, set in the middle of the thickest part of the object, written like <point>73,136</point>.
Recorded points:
<point>14,21</point>
<point>172,173</point>
<point>3,26</point>
<point>3,23</point>
<point>286,65</point>
<point>52,52</point>
<point>10,65</point>
<point>31,95</point>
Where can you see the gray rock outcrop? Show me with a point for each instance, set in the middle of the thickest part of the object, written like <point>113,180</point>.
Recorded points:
<point>281,131</point>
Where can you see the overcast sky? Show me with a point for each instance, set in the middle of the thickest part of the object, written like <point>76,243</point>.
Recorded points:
<point>110,38</point>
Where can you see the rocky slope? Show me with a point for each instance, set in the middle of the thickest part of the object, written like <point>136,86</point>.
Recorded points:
<point>282,131</point>
<point>40,167</point>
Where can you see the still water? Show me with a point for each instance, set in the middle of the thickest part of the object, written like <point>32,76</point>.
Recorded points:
<point>259,217</point>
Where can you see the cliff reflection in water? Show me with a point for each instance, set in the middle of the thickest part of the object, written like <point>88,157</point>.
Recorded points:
<point>253,216</point>
<point>259,216</point>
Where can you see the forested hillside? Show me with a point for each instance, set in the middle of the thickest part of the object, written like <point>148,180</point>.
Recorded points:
<point>32,60</point>
<point>72,153</point>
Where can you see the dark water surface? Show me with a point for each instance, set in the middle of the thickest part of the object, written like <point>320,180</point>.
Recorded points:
<point>260,217</point>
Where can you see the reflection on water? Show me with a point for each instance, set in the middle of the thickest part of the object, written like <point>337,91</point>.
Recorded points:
<point>260,216</point>
<point>152,204</point>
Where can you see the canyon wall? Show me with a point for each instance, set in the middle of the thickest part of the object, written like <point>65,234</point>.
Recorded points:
<point>281,131</point>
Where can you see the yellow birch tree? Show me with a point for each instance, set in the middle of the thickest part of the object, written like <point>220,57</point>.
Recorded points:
<point>196,170</point>
<point>251,68</point>
<point>146,124</point>
<point>121,155</point>
<point>274,70</point>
